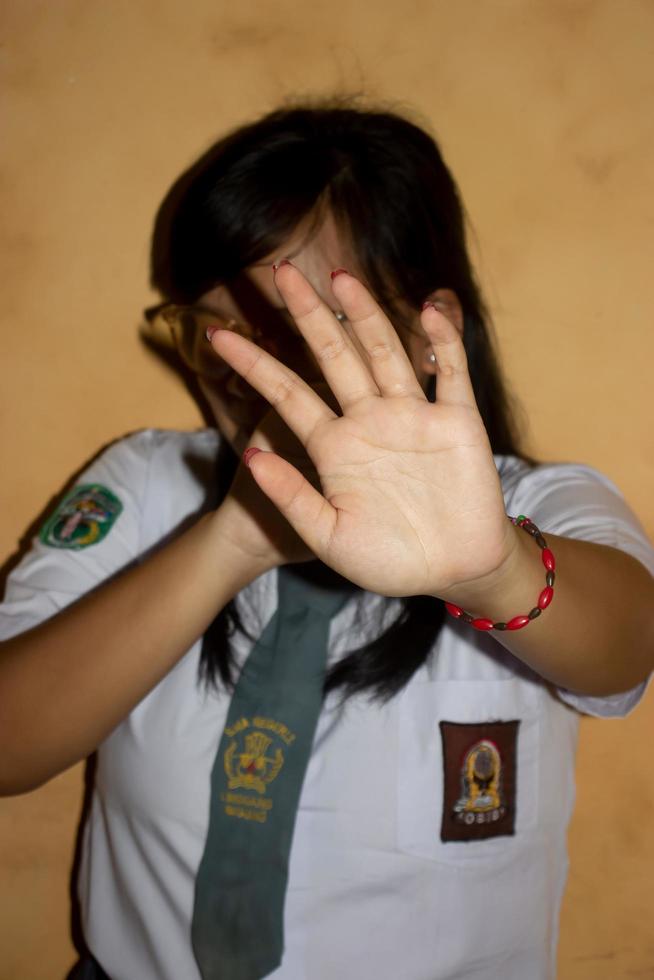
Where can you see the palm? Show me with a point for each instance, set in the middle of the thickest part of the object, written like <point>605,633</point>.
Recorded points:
<point>405,480</point>
<point>411,501</point>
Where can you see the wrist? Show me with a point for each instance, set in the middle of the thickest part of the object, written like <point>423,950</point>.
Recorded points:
<point>246,564</point>
<point>510,590</point>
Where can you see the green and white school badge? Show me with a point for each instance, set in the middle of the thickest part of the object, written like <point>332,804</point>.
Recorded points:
<point>84,517</point>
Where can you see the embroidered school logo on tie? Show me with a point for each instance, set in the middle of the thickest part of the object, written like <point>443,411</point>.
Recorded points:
<point>479,784</point>
<point>84,517</point>
<point>252,761</point>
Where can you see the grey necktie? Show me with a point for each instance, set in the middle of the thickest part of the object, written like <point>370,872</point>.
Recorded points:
<point>237,929</point>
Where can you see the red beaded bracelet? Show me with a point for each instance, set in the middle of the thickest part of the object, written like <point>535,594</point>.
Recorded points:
<point>544,598</point>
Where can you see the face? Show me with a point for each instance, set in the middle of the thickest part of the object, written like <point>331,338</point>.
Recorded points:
<point>254,299</point>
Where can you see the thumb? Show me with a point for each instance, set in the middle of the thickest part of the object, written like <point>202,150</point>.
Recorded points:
<point>304,507</point>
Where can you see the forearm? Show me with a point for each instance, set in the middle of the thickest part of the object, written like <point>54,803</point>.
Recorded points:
<point>597,636</point>
<point>67,683</point>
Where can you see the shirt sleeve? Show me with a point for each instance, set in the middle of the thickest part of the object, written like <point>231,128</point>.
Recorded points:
<point>92,533</point>
<point>576,501</point>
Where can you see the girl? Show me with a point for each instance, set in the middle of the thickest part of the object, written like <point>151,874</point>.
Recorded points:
<point>333,690</point>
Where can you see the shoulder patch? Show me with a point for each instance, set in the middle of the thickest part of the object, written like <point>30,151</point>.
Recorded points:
<point>84,517</point>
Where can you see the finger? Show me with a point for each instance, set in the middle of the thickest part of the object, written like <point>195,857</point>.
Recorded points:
<point>453,384</point>
<point>299,406</point>
<point>304,507</point>
<point>343,366</point>
<point>390,365</point>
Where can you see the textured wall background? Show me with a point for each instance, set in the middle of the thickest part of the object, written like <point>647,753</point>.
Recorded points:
<point>544,111</point>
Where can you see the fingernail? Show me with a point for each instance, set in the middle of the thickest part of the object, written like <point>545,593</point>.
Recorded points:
<point>249,453</point>
<point>338,272</point>
<point>427,304</point>
<point>278,265</point>
<point>209,332</point>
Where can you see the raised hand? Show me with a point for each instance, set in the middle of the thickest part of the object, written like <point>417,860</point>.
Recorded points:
<point>411,501</point>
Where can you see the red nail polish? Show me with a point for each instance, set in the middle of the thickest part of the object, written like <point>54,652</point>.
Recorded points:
<point>209,332</point>
<point>278,265</point>
<point>338,272</point>
<point>249,453</point>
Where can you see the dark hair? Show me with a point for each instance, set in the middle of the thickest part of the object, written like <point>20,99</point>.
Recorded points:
<point>388,189</point>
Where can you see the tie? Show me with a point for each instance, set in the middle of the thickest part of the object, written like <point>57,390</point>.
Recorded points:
<point>237,929</point>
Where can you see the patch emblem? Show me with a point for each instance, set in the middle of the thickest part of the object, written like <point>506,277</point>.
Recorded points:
<point>479,780</point>
<point>84,517</point>
<point>253,760</point>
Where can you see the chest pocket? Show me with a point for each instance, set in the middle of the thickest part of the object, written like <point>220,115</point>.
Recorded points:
<point>468,778</point>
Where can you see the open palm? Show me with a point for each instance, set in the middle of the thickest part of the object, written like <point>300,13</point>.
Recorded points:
<point>411,501</point>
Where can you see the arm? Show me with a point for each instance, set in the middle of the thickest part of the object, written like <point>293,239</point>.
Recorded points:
<point>66,684</point>
<point>597,636</point>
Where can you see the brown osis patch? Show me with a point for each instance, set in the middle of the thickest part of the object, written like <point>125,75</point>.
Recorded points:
<point>479,780</point>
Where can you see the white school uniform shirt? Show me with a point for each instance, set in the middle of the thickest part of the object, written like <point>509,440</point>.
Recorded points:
<point>376,888</point>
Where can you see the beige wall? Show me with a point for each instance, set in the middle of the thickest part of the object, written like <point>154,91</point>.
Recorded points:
<point>544,110</point>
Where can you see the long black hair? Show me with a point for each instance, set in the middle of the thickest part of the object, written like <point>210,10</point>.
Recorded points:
<point>384,181</point>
